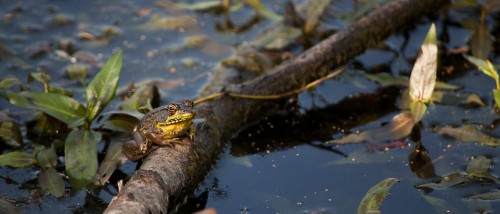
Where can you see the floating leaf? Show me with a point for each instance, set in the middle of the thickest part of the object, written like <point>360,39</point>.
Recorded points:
<point>276,38</point>
<point>481,41</point>
<point>51,182</point>
<point>478,167</point>
<point>496,96</point>
<point>114,158</point>
<point>423,75</point>
<point>7,207</point>
<point>201,6</point>
<point>315,9</point>
<point>64,108</point>
<point>453,98</point>
<point>440,205</point>
<point>488,196</point>
<point>485,66</point>
<point>386,79</point>
<point>46,157</point>
<point>447,181</point>
<point>468,134</point>
<point>375,196</point>
<point>400,126</point>
<point>9,81</point>
<point>103,87</point>
<point>259,7</point>
<point>168,23</point>
<point>17,159</point>
<point>80,155</point>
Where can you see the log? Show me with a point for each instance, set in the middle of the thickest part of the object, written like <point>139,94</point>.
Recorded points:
<point>169,174</point>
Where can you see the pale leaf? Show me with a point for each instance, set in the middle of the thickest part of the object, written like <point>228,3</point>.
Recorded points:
<point>423,75</point>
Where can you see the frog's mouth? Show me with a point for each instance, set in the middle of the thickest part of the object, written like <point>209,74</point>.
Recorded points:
<point>179,118</point>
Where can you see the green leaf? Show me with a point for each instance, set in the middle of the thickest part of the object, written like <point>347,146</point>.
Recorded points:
<point>10,132</point>
<point>454,98</point>
<point>375,196</point>
<point>114,158</point>
<point>80,155</point>
<point>496,96</point>
<point>51,182</point>
<point>481,41</point>
<point>46,157</point>
<point>417,109</point>
<point>65,109</point>
<point>201,6</point>
<point>259,7</point>
<point>468,134</point>
<point>103,87</point>
<point>485,66</point>
<point>400,126</point>
<point>9,81</point>
<point>315,9</point>
<point>423,75</point>
<point>17,159</point>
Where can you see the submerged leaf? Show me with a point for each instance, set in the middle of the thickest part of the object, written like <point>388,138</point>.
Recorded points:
<point>80,155</point>
<point>423,75</point>
<point>168,23</point>
<point>375,196</point>
<point>9,130</point>
<point>51,182</point>
<point>495,195</point>
<point>468,134</point>
<point>454,98</point>
<point>400,126</point>
<point>447,181</point>
<point>103,87</point>
<point>440,205</point>
<point>17,159</point>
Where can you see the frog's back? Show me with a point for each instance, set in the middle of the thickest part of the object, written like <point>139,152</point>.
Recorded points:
<point>153,117</point>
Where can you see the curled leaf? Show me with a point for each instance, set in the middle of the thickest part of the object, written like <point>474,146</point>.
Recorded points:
<point>375,196</point>
<point>400,126</point>
<point>423,75</point>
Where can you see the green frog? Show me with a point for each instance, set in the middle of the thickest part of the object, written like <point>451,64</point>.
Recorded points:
<point>162,126</point>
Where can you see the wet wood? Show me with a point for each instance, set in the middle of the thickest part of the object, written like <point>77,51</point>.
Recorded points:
<point>171,173</point>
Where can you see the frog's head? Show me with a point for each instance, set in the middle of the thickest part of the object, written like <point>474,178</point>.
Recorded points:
<point>179,113</point>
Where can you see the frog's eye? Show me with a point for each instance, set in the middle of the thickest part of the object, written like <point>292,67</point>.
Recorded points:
<point>188,103</point>
<point>172,108</point>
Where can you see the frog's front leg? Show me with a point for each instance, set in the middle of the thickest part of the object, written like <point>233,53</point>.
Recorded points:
<point>137,148</point>
<point>160,140</point>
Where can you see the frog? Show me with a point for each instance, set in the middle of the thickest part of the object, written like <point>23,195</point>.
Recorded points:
<point>162,126</point>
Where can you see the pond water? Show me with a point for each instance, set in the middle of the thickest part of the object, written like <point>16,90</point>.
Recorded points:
<point>280,165</point>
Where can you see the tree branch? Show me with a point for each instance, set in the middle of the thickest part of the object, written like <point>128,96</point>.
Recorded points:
<point>173,172</point>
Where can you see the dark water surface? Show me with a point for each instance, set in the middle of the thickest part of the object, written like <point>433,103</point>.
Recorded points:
<point>272,167</point>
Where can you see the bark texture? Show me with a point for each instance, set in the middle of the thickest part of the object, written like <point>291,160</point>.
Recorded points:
<point>172,172</point>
